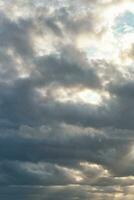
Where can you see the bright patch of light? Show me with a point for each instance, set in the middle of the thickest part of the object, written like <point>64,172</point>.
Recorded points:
<point>89,96</point>
<point>78,178</point>
<point>83,41</point>
<point>117,18</point>
<point>75,95</point>
<point>43,45</point>
<point>84,96</point>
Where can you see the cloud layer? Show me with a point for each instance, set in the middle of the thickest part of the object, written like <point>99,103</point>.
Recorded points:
<point>66,100</point>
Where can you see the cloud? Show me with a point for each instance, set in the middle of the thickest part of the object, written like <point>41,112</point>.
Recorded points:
<point>54,141</point>
<point>69,68</point>
<point>15,35</point>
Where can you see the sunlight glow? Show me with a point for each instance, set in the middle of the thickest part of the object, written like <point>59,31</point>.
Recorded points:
<point>74,95</point>
<point>115,18</point>
<point>89,96</point>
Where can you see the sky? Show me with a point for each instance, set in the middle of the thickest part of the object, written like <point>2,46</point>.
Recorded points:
<point>67,99</point>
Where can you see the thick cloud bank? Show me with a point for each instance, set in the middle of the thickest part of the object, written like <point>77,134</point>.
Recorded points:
<point>66,100</point>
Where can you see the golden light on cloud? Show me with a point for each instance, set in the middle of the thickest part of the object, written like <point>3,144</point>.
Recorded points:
<point>74,95</point>
<point>73,174</point>
<point>77,175</point>
<point>78,178</point>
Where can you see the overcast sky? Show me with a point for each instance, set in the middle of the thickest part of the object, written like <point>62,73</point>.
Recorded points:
<point>67,99</point>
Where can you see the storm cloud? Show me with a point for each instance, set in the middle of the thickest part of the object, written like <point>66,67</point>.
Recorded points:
<point>66,100</point>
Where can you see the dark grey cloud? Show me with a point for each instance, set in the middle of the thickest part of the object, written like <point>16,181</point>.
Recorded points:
<point>68,68</point>
<point>69,192</point>
<point>59,147</point>
<point>123,95</point>
<point>16,35</point>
